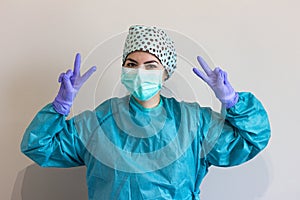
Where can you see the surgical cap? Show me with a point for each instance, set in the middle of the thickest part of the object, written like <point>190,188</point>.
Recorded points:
<point>152,40</point>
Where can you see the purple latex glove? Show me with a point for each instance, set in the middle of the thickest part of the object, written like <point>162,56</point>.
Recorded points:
<point>71,81</point>
<point>217,80</point>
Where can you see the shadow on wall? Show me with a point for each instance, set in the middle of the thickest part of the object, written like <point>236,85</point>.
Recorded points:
<point>249,181</point>
<point>36,183</point>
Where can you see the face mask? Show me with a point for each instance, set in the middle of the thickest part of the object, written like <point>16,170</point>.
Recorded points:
<point>142,84</point>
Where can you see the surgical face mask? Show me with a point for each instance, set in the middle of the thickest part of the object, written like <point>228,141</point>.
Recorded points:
<point>142,84</point>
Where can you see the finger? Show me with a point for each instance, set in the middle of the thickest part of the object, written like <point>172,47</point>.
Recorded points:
<point>69,74</point>
<point>201,74</point>
<point>220,74</point>
<point>61,77</point>
<point>226,78</point>
<point>87,74</point>
<point>67,82</point>
<point>77,63</point>
<point>204,65</point>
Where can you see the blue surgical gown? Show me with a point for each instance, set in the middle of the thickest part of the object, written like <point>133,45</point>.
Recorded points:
<point>131,152</point>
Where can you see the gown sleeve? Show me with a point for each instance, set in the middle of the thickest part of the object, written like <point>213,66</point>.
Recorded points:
<point>237,137</point>
<point>52,141</point>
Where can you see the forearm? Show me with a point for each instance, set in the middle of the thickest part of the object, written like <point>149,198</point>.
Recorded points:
<point>251,119</point>
<point>50,140</point>
<point>245,133</point>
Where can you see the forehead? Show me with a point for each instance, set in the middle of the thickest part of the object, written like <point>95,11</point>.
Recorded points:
<point>141,57</point>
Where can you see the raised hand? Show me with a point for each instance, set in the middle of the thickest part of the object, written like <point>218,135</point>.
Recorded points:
<point>71,82</point>
<point>218,82</point>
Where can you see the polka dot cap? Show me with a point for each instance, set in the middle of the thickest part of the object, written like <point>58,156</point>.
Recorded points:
<point>153,40</point>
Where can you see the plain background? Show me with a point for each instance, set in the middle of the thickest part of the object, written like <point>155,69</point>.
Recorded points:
<point>256,41</point>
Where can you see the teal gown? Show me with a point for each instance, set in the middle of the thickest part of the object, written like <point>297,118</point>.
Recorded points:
<point>131,152</point>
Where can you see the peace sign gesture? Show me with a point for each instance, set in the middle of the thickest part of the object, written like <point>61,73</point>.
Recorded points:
<point>71,82</point>
<point>218,82</point>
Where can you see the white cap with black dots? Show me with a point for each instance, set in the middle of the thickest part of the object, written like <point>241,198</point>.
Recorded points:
<point>152,40</point>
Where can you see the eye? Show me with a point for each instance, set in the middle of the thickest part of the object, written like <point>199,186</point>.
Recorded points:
<point>151,66</point>
<point>130,65</point>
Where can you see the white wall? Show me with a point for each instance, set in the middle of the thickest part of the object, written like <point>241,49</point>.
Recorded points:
<point>256,41</point>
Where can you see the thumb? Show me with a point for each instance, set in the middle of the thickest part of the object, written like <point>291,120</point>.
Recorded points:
<point>66,80</point>
<point>226,79</point>
<point>220,74</point>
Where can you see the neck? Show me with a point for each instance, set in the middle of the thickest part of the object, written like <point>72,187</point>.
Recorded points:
<point>151,103</point>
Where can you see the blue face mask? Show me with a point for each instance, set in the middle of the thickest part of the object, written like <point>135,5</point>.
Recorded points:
<point>142,84</point>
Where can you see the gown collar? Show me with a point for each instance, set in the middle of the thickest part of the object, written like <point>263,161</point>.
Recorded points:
<point>133,103</point>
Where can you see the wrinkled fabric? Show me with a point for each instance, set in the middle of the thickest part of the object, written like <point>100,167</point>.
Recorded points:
<point>135,153</point>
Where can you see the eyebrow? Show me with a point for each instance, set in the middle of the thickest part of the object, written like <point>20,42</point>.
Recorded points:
<point>150,61</point>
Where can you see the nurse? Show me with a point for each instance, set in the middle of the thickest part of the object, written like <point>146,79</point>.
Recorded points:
<point>145,145</point>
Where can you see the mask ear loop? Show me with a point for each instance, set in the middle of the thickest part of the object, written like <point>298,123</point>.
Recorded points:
<point>167,76</point>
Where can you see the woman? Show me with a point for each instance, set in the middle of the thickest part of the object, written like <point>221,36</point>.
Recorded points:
<point>147,146</point>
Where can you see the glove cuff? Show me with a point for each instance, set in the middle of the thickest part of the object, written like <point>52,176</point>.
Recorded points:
<point>231,102</point>
<point>61,107</point>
